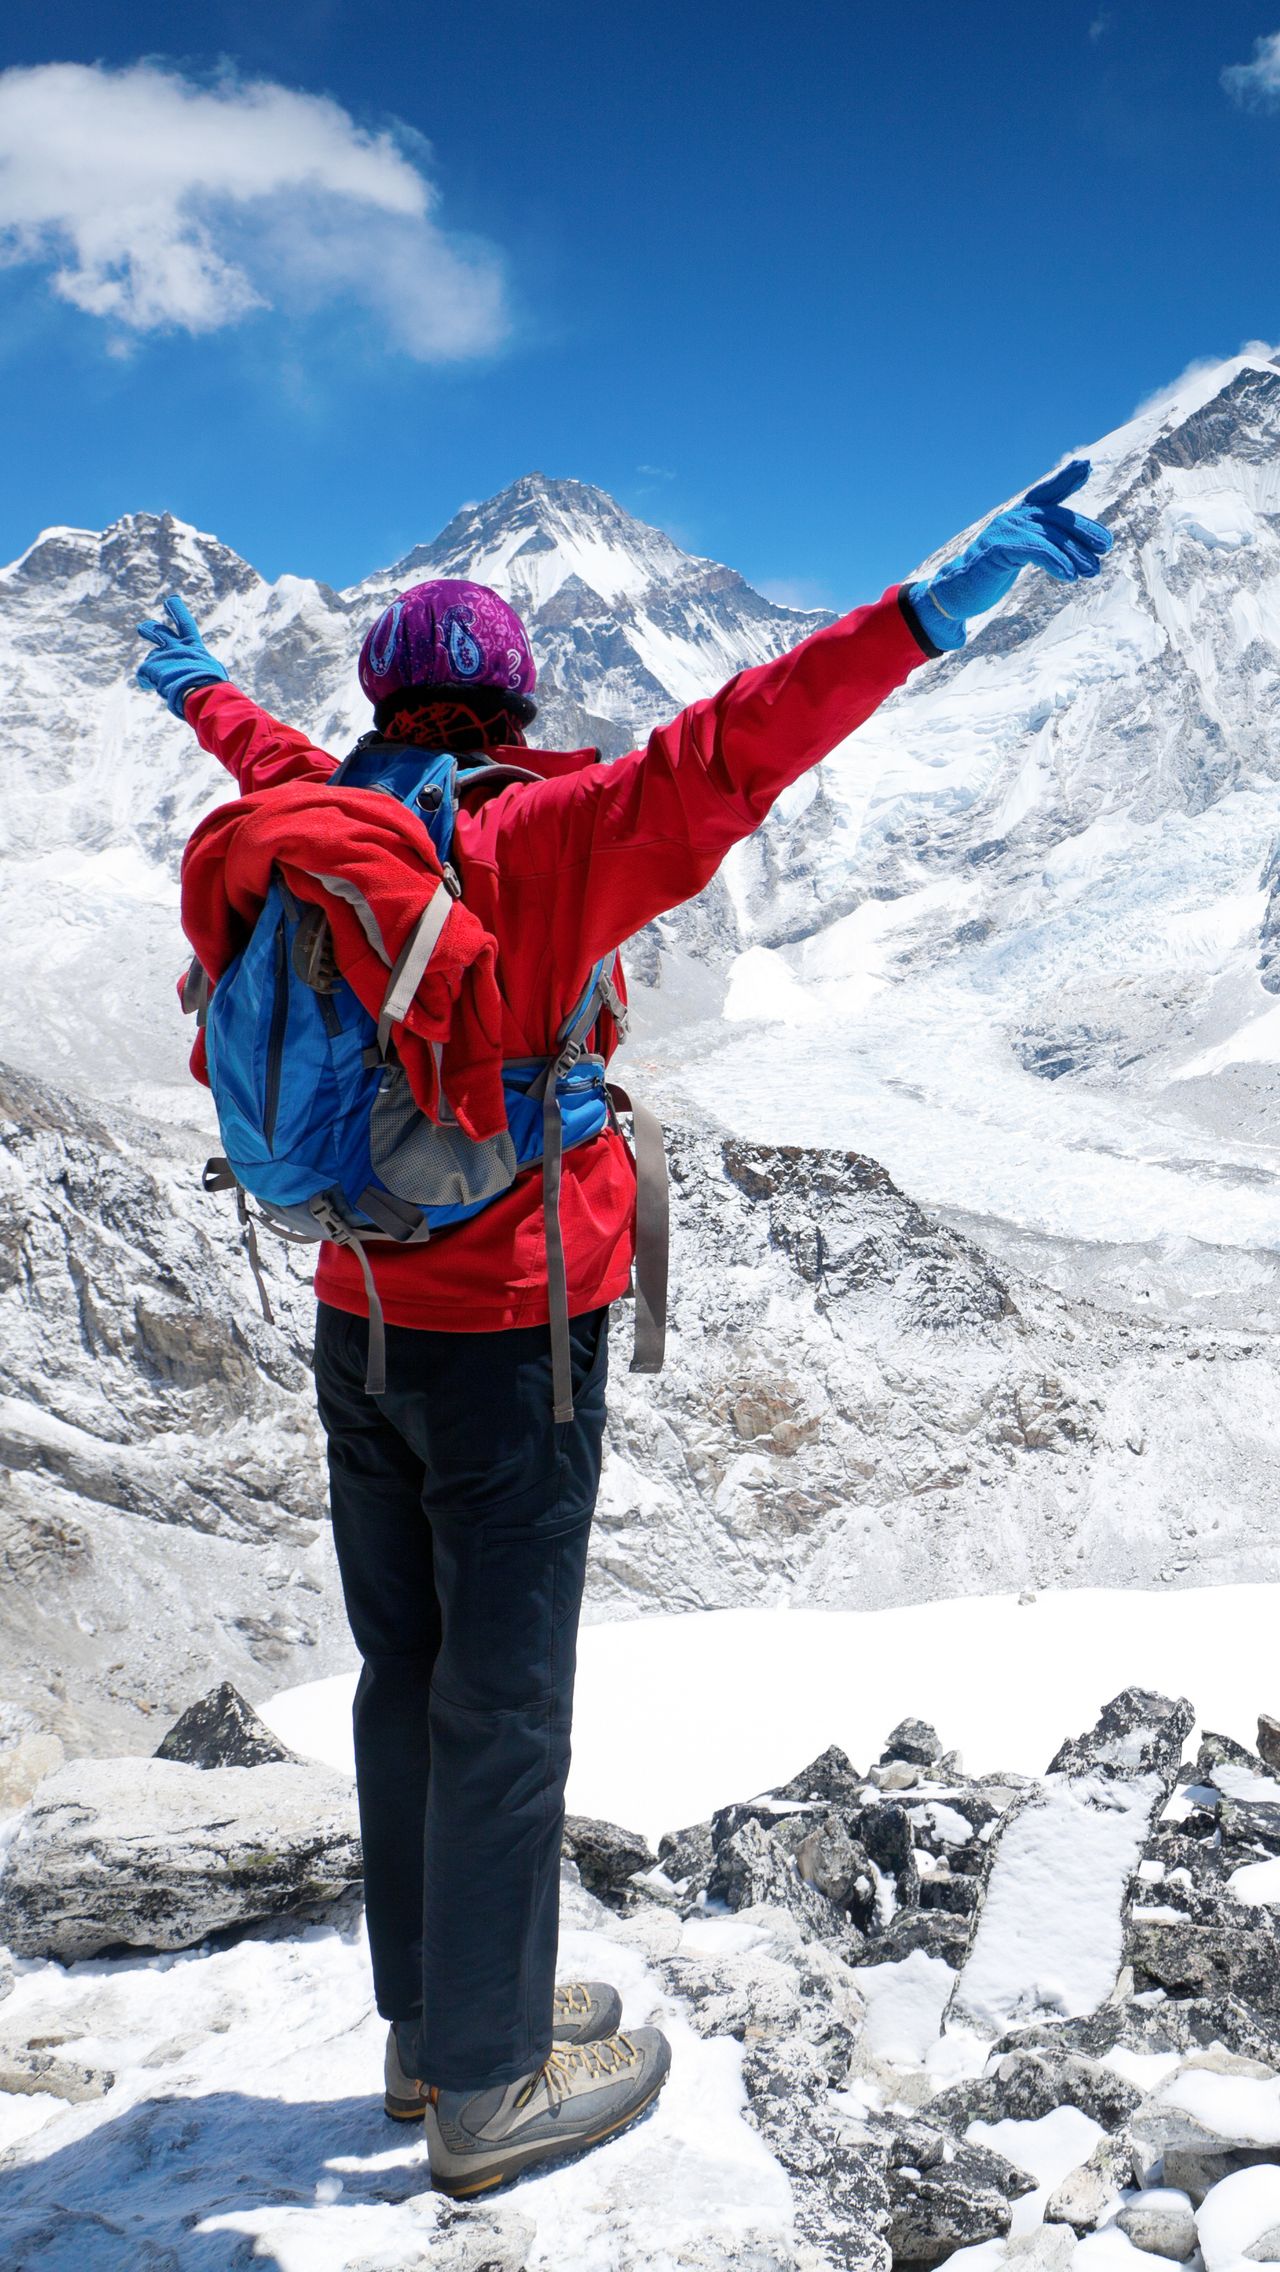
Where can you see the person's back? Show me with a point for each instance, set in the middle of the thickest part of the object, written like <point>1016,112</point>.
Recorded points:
<point>461,1504</point>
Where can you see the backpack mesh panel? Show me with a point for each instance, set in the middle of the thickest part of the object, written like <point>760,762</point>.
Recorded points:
<point>429,1165</point>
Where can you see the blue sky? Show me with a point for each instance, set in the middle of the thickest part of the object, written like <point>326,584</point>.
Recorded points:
<point>809,285</point>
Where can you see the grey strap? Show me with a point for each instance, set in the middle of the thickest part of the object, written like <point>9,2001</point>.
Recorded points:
<point>411,962</point>
<point>653,1234</point>
<point>375,1377</point>
<point>557,1282</point>
<point>250,1238</point>
<point>196,991</point>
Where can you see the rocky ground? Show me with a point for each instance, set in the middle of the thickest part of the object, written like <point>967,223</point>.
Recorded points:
<point>921,2017</point>
<point>859,1408</point>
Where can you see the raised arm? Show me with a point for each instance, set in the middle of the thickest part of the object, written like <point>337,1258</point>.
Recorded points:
<point>254,746</point>
<point>625,842</point>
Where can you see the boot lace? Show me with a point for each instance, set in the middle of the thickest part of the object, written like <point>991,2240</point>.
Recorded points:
<point>571,2062</point>
<point>572,1998</point>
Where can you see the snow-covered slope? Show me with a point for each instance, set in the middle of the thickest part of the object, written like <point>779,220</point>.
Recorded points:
<point>1018,938</point>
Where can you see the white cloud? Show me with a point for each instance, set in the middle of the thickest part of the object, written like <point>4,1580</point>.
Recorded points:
<point>158,204</point>
<point>1259,81</point>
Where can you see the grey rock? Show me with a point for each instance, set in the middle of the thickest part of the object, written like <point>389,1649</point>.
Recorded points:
<point>222,1730</point>
<point>1048,2248</point>
<point>145,1853</point>
<point>1195,2170</point>
<point>1249,1827</point>
<point>1126,1762</point>
<point>1137,1734</point>
<point>935,1931</point>
<point>1024,2085</point>
<point>831,1776</point>
<point>1217,1751</point>
<point>1210,1961</point>
<point>964,2196</point>
<point>1162,2222</point>
<point>1269,1742</point>
<point>913,1740</point>
<point>950,1890</point>
<point>29,2072</point>
<point>840,2189</point>
<point>1155,2022</point>
<point>606,1855</point>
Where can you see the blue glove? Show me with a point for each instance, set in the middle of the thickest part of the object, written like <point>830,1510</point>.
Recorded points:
<point>181,661</point>
<point>1038,533</point>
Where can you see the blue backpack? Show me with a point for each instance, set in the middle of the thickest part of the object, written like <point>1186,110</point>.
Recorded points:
<point>317,1119</point>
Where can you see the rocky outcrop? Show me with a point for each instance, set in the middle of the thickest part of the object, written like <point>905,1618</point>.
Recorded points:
<point>145,1853</point>
<point>221,1730</point>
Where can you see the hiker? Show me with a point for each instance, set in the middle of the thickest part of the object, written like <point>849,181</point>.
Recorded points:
<point>463,1463</point>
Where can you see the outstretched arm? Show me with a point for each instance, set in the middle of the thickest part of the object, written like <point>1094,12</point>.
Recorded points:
<point>254,746</point>
<point>595,855</point>
<point>629,841</point>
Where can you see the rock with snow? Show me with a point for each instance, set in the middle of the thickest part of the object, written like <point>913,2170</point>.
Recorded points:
<point>145,1853</point>
<point>912,1740</point>
<point>943,2196</point>
<point>607,1856</point>
<point>1161,2222</point>
<point>1216,2114</point>
<point>1024,2085</point>
<point>1240,1960</point>
<point>1048,1933</point>
<point>1240,2218</point>
<point>222,1730</point>
<point>831,1776</point>
<point>31,2072</point>
<point>1269,1742</point>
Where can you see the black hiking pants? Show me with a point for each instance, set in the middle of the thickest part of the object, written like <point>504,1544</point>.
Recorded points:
<point>461,1515</point>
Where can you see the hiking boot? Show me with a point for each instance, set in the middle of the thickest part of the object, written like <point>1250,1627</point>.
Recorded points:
<point>582,2011</point>
<point>584,2093</point>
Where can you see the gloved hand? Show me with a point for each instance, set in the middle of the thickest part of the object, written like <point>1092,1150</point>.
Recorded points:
<point>1038,533</point>
<point>181,661</point>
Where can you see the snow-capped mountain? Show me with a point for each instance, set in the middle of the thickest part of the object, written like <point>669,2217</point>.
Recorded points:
<point>1018,938</point>
<point>99,787</point>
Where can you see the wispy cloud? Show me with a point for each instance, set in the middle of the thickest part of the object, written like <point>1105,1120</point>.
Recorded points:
<point>1257,84</point>
<point>657,472</point>
<point>801,592</point>
<point>1101,25</point>
<point>156,203</point>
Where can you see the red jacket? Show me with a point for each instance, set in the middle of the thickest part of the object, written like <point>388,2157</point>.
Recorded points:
<point>313,834</point>
<point>562,871</point>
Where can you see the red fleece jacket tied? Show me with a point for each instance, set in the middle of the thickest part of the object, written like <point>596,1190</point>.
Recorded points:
<point>312,835</point>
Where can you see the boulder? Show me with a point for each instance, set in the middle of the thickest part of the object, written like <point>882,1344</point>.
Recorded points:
<point>935,1931</point>
<point>1025,2085</point>
<point>1269,1742</point>
<point>145,1853</point>
<point>1161,2222</point>
<point>913,1740</point>
<point>831,1776</point>
<point>1240,2218</point>
<point>607,1856</point>
<point>1136,1735</point>
<point>1047,1936</point>
<point>950,2199</point>
<point>1240,1960</point>
<point>29,2073</point>
<point>222,1730</point>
